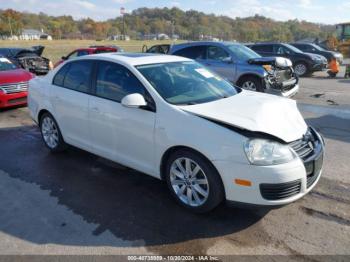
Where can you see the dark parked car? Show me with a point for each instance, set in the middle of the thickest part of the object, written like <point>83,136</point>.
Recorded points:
<point>303,63</point>
<point>315,49</point>
<point>28,58</point>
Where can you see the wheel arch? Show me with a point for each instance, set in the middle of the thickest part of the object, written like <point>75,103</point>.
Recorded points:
<point>172,150</point>
<point>244,76</point>
<point>41,113</point>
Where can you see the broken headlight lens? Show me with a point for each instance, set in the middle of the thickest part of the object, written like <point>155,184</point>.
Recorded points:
<point>262,152</point>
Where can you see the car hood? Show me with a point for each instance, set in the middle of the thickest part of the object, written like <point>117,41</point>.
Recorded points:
<point>14,76</point>
<point>275,61</point>
<point>255,112</point>
<point>314,56</point>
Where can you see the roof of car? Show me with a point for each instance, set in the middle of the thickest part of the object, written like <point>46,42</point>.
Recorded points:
<point>140,58</point>
<point>206,43</point>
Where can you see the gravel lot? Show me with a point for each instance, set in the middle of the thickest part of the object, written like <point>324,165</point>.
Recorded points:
<point>78,203</point>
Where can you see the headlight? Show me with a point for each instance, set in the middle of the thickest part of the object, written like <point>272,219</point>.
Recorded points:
<point>263,152</point>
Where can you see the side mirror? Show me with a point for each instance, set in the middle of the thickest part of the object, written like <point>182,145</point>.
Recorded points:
<point>227,60</point>
<point>64,58</point>
<point>134,101</point>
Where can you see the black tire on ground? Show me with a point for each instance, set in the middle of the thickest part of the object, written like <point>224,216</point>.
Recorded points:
<point>61,145</point>
<point>216,189</point>
<point>306,72</point>
<point>258,83</point>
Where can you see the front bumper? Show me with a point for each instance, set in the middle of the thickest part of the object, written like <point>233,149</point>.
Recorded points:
<point>272,185</point>
<point>11,100</point>
<point>285,93</point>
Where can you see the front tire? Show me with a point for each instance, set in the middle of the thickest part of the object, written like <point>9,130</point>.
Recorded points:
<point>251,83</point>
<point>193,181</point>
<point>51,133</point>
<point>301,69</point>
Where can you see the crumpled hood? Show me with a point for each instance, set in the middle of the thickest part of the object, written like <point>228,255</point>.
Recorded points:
<point>257,112</point>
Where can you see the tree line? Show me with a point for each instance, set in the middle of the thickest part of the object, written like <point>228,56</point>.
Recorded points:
<point>190,25</point>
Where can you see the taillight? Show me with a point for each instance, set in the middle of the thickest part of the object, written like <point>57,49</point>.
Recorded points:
<point>50,65</point>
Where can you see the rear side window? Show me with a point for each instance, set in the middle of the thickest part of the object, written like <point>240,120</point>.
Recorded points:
<point>193,52</point>
<point>114,81</point>
<point>263,48</point>
<point>78,76</point>
<point>59,77</point>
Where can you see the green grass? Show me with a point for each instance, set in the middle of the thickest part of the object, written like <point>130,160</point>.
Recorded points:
<point>55,49</point>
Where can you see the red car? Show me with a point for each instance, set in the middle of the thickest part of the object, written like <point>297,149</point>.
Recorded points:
<point>89,51</point>
<point>13,84</point>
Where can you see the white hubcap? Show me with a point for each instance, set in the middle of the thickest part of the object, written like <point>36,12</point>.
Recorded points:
<point>249,85</point>
<point>50,132</point>
<point>189,182</point>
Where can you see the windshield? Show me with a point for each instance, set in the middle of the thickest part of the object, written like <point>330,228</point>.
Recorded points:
<point>5,64</point>
<point>186,83</point>
<point>293,48</point>
<point>242,52</point>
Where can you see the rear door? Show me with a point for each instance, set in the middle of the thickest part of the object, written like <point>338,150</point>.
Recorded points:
<point>122,134</point>
<point>70,99</point>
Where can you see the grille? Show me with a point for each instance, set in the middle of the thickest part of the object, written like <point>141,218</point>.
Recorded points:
<point>304,147</point>
<point>280,191</point>
<point>14,88</point>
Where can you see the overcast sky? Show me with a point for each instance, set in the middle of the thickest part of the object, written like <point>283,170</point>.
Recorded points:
<point>322,11</point>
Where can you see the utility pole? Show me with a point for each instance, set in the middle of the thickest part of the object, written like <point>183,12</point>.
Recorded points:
<point>122,12</point>
<point>9,21</point>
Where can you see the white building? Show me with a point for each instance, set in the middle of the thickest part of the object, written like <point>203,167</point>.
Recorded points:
<point>32,34</point>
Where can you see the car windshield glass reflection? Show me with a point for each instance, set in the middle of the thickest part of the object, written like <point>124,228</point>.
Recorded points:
<point>186,83</point>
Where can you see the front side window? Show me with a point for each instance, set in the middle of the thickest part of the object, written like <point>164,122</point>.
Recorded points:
<point>115,82</point>
<point>186,83</point>
<point>242,53</point>
<point>216,53</point>
<point>193,52</point>
<point>78,76</point>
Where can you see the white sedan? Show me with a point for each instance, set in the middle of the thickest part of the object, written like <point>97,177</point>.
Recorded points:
<point>173,119</point>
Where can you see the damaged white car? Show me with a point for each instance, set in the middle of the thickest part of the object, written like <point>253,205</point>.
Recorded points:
<point>171,118</point>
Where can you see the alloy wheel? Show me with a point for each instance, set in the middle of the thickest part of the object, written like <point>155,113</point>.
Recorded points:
<point>249,85</point>
<point>300,69</point>
<point>189,182</point>
<point>50,132</point>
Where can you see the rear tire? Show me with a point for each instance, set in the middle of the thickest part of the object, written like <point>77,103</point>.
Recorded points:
<point>251,83</point>
<point>193,181</point>
<point>51,134</point>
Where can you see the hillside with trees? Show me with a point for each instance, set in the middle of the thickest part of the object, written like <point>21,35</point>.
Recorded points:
<point>186,24</point>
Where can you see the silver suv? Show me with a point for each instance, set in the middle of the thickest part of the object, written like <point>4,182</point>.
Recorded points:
<point>242,66</point>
